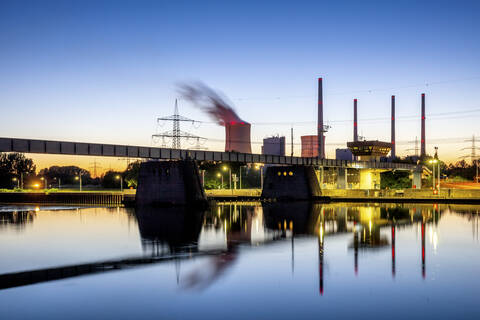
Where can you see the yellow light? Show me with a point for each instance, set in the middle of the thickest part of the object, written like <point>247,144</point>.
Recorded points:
<point>76,178</point>
<point>42,178</point>
<point>37,209</point>
<point>225,168</point>
<point>117,177</point>
<point>219,175</point>
<point>14,179</point>
<point>290,173</point>
<point>36,185</point>
<point>279,173</point>
<point>285,173</point>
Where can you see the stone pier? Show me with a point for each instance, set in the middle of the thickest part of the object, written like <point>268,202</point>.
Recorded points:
<point>291,183</point>
<point>170,183</point>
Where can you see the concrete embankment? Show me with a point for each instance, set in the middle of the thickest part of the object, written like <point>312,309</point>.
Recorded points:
<point>335,195</point>
<point>72,198</point>
<point>406,195</point>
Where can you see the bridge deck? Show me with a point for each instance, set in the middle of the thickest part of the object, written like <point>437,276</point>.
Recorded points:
<point>115,150</point>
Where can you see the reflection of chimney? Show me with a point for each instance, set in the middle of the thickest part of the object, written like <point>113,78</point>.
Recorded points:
<point>393,251</point>
<point>422,150</point>
<point>423,249</point>
<point>393,153</point>
<point>320,136</point>
<point>355,121</point>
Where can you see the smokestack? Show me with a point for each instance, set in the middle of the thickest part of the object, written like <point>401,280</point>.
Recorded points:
<point>320,137</point>
<point>355,121</point>
<point>423,149</point>
<point>393,153</point>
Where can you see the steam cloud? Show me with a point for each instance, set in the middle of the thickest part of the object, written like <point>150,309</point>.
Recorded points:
<point>211,102</point>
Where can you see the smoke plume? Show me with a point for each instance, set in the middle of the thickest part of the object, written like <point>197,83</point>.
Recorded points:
<point>211,102</point>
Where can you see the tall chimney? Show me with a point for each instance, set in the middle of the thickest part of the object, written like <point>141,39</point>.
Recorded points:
<point>423,149</point>
<point>393,153</point>
<point>320,137</point>
<point>355,121</point>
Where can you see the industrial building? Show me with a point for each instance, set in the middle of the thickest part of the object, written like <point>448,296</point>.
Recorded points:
<point>343,154</point>
<point>237,137</point>
<point>274,146</point>
<point>369,150</point>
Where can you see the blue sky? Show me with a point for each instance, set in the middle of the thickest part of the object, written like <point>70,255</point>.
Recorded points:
<point>103,70</point>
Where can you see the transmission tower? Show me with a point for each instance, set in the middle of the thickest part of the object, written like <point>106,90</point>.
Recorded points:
<point>416,148</point>
<point>176,134</point>
<point>95,166</point>
<point>473,155</point>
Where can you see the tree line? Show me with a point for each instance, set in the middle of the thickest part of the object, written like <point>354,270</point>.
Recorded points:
<point>18,171</point>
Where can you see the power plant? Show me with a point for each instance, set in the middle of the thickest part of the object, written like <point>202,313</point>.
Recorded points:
<point>274,145</point>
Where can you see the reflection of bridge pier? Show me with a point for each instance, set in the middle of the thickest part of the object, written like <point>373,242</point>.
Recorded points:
<point>321,235</point>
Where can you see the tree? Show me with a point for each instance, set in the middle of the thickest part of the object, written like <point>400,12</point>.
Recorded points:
<point>111,179</point>
<point>15,165</point>
<point>395,180</point>
<point>131,174</point>
<point>66,174</point>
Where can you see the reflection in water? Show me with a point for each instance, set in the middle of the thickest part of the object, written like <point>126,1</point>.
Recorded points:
<point>169,230</point>
<point>220,232</point>
<point>16,218</point>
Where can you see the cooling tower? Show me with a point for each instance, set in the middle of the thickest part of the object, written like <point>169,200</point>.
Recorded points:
<point>309,146</point>
<point>238,137</point>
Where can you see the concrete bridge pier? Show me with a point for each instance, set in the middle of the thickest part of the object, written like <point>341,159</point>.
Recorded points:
<point>417,178</point>
<point>291,183</point>
<point>370,179</point>
<point>342,181</point>
<point>170,183</point>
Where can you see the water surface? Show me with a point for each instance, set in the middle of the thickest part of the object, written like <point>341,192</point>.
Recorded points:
<point>244,260</point>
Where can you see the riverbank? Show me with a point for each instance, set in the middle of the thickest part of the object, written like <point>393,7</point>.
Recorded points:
<point>127,197</point>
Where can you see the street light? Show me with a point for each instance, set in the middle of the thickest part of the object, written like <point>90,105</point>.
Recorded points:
<point>260,167</point>
<point>220,175</point>
<point>118,177</point>
<point>225,168</point>
<point>434,162</point>
<point>18,182</point>
<point>44,181</point>
<point>79,177</point>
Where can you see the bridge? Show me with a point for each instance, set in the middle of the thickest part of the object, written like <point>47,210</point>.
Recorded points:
<point>178,181</point>
<point>142,152</point>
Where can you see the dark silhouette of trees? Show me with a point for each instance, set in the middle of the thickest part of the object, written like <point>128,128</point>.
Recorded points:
<point>66,174</point>
<point>110,180</point>
<point>130,175</point>
<point>15,165</point>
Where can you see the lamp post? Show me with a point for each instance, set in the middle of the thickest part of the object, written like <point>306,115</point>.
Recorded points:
<point>434,162</point>
<point>225,168</point>
<point>44,182</point>
<point>240,178</point>
<point>79,177</point>
<point>260,167</point>
<point>17,180</point>
<point>119,177</point>
<point>220,175</point>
